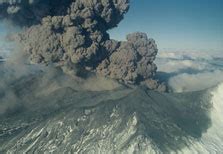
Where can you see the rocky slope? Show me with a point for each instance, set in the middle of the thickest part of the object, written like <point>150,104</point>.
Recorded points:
<point>123,120</point>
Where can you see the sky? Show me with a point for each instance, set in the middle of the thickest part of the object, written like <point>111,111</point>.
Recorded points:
<point>176,25</point>
<point>190,25</point>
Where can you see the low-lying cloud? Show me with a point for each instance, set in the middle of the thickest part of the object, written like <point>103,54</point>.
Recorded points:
<point>190,71</point>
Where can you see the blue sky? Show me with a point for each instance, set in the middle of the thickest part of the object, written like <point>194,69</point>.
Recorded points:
<point>176,24</point>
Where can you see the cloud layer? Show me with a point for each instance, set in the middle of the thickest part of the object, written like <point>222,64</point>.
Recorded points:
<point>190,71</point>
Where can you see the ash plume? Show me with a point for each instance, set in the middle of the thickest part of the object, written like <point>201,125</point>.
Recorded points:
<point>72,34</point>
<point>132,60</point>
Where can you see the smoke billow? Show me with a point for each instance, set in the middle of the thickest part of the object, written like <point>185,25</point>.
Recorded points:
<point>44,109</point>
<point>72,34</point>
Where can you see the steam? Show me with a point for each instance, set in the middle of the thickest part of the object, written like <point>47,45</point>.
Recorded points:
<point>22,84</point>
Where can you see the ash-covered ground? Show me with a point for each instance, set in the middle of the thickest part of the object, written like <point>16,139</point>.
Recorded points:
<point>47,111</point>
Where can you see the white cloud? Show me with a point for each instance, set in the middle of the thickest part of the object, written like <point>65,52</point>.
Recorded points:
<point>178,65</point>
<point>193,82</point>
<point>191,71</point>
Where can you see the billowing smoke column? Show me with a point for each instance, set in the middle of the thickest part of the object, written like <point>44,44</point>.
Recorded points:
<point>73,35</point>
<point>132,60</point>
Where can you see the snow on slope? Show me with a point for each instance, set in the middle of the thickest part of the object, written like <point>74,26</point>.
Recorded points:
<point>125,120</point>
<point>52,118</point>
<point>212,140</point>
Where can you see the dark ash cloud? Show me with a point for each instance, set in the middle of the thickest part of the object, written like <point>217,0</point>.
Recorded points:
<point>73,35</point>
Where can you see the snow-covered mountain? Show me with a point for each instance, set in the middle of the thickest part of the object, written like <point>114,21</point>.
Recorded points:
<point>64,119</point>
